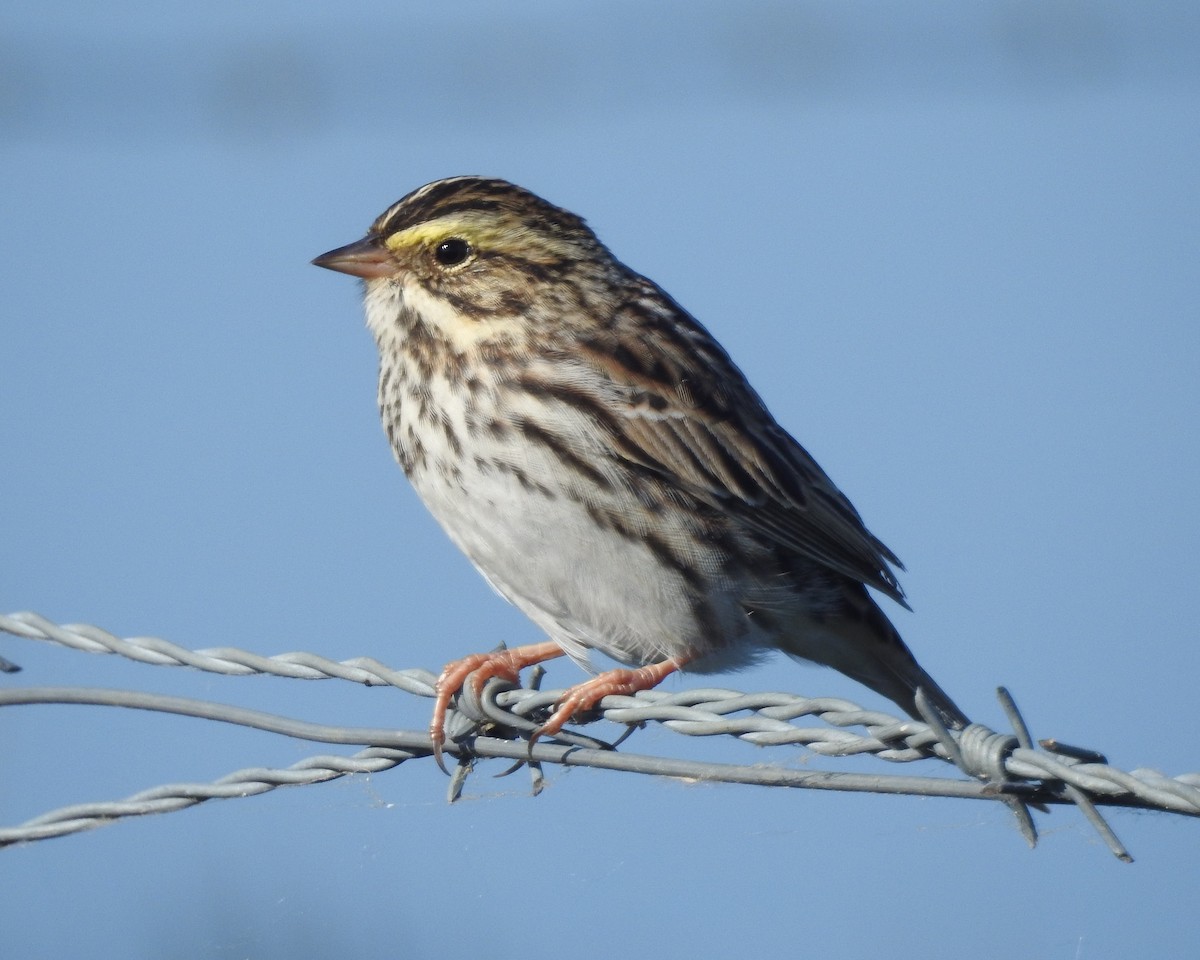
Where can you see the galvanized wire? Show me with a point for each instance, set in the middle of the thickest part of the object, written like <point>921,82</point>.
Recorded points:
<point>1003,767</point>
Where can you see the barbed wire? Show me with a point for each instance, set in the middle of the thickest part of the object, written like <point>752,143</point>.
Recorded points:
<point>1008,768</point>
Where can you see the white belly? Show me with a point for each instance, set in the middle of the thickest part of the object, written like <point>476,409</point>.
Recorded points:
<point>584,585</point>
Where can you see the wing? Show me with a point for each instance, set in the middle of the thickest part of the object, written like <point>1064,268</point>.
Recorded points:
<point>675,404</point>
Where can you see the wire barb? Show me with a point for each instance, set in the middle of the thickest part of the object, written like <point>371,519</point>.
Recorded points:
<point>981,753</point>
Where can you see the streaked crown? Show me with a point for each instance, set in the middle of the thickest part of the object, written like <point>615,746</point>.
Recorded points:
<point>488,213</point>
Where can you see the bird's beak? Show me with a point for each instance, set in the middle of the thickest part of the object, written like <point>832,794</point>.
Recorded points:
<point>367,258</point>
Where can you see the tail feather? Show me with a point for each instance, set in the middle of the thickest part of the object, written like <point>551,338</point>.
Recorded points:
<point>866,647</point>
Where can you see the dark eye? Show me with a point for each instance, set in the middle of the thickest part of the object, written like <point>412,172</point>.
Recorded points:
<point>452,251</point>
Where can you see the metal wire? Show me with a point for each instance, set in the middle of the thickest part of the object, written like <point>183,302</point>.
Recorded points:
<point>999,766</point>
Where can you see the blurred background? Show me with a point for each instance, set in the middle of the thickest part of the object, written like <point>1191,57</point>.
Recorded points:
<point>954,247</point>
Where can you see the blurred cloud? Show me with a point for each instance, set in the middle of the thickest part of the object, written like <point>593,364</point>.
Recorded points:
<point>420,68</point>
<point>267,89</point>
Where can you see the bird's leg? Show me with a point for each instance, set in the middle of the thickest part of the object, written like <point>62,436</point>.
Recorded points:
<point>621,682</point>
<point>507,664</point>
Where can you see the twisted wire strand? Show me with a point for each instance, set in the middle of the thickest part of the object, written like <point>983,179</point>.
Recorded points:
<point>229,661</point>
<point>698,712</point>
<point>1005,767</point>
<point>170,797</point>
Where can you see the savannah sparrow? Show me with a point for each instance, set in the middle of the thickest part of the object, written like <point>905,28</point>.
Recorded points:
<point>599,458</point>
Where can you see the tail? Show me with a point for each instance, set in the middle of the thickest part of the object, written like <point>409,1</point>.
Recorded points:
<point>865,646</point>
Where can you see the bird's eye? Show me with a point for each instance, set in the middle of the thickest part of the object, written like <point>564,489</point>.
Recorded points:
<point>452,251</point>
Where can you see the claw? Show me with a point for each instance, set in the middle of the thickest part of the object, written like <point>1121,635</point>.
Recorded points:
<point>438,736</point>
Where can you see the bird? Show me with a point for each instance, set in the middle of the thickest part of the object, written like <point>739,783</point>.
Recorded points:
<point>604,464</point>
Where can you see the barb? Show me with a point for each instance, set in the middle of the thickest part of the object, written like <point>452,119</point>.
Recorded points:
<point>1003,768</point>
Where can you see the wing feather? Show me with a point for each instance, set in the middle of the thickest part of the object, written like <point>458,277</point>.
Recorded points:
<point>687,414</point>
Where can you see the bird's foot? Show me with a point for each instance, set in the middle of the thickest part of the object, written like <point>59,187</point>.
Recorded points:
<point>623,682</point>
<point>481,667</point>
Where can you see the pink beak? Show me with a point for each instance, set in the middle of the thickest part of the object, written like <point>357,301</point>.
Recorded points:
<point>367,258</point>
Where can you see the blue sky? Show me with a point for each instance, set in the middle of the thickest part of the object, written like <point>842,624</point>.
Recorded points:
<point>956,252</point>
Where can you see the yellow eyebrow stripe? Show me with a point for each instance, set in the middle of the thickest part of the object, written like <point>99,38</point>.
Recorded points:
<point>483,231</point>
<point>470,228</point>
